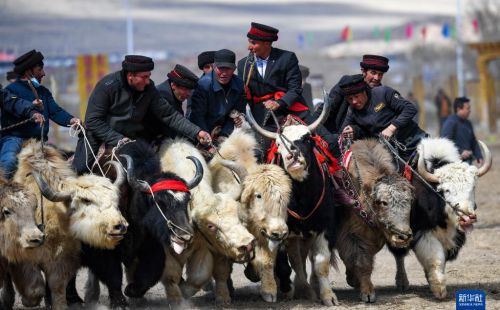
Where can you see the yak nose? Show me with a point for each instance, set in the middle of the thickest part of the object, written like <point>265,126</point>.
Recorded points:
<point>186,237</point>
<point>247,248</point>
<point>406,236</point>
<point>121,228</point>
<point>36,239</point>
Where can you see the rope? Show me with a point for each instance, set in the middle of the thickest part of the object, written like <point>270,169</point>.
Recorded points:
<point>74,131</point>
<point>396,155</point>
<point>18,124</point>
<point>170,224</point>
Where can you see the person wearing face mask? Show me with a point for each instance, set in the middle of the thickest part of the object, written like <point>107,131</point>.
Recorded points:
<point>121,105</point>
<point>216,96</point>
<point>29,68</point>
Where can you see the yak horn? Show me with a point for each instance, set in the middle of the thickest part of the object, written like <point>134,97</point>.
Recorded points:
<point>322,117</point>
<point>48,192</point>
<point>132,181</point>
<point>238,168</point>
<point>487,159</point>
<point>120,175</point>
<point>256,127</point>
<point>422,170</point>
<point>198,175</point>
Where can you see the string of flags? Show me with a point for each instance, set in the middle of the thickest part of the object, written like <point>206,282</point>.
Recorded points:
<point>386,33</point>
<point>448,31</point>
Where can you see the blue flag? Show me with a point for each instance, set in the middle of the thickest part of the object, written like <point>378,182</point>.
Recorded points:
<point>300,40</point>
<point>446,30</point>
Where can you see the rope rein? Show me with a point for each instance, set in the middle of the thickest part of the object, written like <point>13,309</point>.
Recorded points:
<point>391,148</point>
<point>74,131</point>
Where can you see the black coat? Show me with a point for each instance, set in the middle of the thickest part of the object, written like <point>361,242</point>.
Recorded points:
<point>384,107</point>
<point>116,111</point>
<point>282,74</point>
<point>338,110</point>
<point>155,128</point>
<point>166,93</point>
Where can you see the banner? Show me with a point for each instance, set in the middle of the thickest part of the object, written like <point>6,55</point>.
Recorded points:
<point>90,69</point>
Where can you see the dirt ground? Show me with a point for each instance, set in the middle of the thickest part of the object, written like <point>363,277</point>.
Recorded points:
<point>477,267</point>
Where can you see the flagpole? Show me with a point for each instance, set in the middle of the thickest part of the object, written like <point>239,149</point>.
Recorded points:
<point>459,51</point>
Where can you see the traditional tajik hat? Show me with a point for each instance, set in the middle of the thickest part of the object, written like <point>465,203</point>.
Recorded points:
<point>182,76</point>
<point>262,32</point>
<point>137,63</point>
<point>27,61</point>
<point>205,58</point>
<point>375,62</point>
<point>353,84</point>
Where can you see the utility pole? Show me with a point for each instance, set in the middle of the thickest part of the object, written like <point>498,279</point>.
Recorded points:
<point>130,28</point>
<point>459,50</point>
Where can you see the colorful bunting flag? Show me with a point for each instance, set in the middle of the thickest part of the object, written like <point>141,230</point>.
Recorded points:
<point>475,24</point>
<point>300,40</point>
<point>346,34</point>
<point>376,32</point>
<point>423,32</point>
<point>409,31</point>
<point>446,30</point>
<point>387,34</point>
<point>453,31</point>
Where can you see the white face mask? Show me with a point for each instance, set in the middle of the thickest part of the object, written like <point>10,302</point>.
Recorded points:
<point>35,82</point>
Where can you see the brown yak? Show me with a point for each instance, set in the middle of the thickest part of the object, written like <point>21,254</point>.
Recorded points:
<point>390,197</point>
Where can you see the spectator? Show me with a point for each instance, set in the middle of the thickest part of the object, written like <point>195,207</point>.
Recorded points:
<point>459,129</point>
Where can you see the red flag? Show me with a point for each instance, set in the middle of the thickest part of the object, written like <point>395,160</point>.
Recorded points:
<point>345,34</point>
<point>475,24</point>
<point>409,31</point>
<point>423,31</point>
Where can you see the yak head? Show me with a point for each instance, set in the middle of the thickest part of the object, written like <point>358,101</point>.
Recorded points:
<point>18,227</point>
<point>166,202</point>
<point>265,197</point>
<point>294,144</point>
<point>393,198</point>
<point>94,214</point>
<point>214,215</point>
<point>455,180</point>
<point>219,222</point>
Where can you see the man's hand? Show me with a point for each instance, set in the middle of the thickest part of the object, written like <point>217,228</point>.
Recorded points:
<point>38,118</point>
<point>238,121</point>
<point>204,137</point>
<point>38,103</point>
<point>348,132</point>
<point>480,162</point>
<point>271,105</point>
<point>466,154</point>
<point>389,131</point>
<point>74,120</point>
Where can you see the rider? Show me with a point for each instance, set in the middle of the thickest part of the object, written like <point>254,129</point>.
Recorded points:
<point>118,107</point>
<point>29,67</point>
<point>380,111</point>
